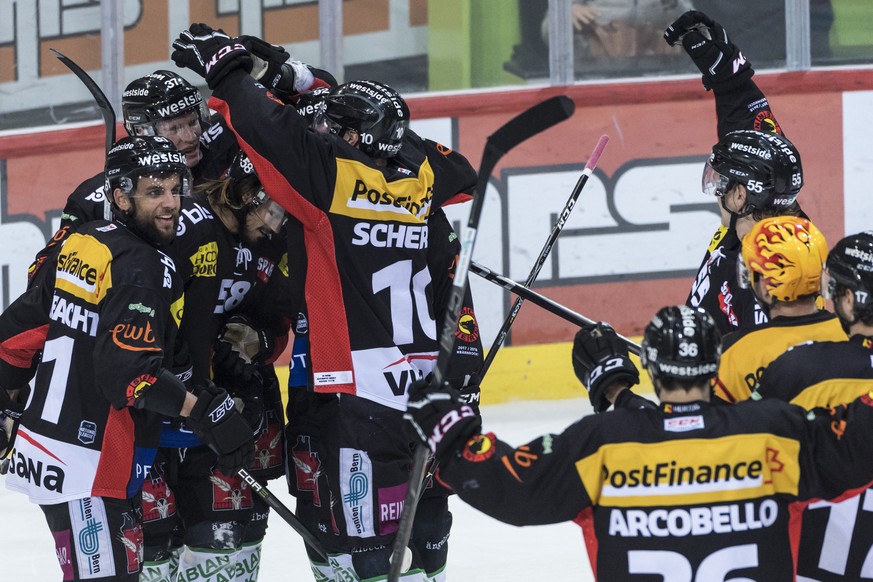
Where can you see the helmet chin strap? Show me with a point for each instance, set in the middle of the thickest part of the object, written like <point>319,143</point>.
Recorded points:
<point>734,215</point>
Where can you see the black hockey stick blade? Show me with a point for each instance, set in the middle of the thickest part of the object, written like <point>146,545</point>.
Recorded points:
<point>103,103</point>
<point>530,122</point>
<point>544,253</point>
<point>285,513</point>
<point>544,302</point>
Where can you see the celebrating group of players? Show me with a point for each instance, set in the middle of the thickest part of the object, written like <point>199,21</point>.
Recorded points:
<point>154,314</point>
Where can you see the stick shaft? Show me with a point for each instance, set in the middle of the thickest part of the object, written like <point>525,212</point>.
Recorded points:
<point>544,253</point>
<point>285,513</point>
<point>544,302</point>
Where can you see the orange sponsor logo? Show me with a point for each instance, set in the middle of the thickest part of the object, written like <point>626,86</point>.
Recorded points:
<point>135,338</point>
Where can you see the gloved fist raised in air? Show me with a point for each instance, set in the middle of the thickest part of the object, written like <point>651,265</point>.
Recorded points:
<point>600,360</point>
<point>217,422</point>
<point>212,54</point>
<point>722,63</point>
<point>438,419</point>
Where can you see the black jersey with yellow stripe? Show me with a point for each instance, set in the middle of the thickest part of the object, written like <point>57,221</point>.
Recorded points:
<point>836,540</point>
<point>106,321</point>
<point>687,491</point>
<point>368,290</point>
<point>747,352</point>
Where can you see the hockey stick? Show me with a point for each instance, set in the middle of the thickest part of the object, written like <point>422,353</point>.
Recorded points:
<point>547,248</point>
<point>103,103</point>
<point>521,127</point>
<point>544,302</point>
<point>285,513</point>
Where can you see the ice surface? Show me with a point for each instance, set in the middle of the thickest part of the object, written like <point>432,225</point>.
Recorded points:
<point>480,549</point>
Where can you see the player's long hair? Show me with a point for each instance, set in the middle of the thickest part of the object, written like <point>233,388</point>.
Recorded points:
<point>230,193</point>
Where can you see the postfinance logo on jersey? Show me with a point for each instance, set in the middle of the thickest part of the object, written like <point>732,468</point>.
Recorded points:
<point>82,268</point>
<point>691,471</point>
<point>363,192</point>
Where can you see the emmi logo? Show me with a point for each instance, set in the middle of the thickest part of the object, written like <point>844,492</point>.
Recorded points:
<point>49,477</point>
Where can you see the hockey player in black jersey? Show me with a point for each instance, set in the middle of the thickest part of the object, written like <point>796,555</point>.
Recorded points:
<point>364,195</point>
<point>161,103</point>
<point>689,491</point>
<point>781,262</point>
<point>228,246</point>
<point>753,170</point>
<point>836,538</point>
<point>106,319</point>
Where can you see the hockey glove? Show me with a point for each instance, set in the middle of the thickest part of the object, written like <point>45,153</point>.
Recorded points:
<point>212,54</point>
<point>10,415</point>
<point>600,359</point>
<point>217,422</point>
<point>438,419</point>
<point>241,348</point>
<point>723,64</point>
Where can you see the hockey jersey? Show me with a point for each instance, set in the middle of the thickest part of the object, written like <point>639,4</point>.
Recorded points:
<point>684,492</point>
<point>836,541</point>
<point>715,288</point>
<point>368,291</point>
<point>106,320</point>
<point>746,353</point>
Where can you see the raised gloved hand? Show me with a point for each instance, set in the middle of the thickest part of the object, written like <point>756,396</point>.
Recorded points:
<point>217,422</point>
<point>600,359</point>
<point>438,419</point>
<point>212,54</point>
<point>276,70</point>
<point>241,348</point>
<point>722,63</point>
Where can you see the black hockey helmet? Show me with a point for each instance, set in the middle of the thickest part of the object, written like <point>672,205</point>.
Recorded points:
<point>850,265</point>
<point>158,96</point>
<point>681,343</point>
<point>243,179</point>
<point>310,104</point>
<point>134,157</point>
<point>375,110</point>
<point>767,164</point>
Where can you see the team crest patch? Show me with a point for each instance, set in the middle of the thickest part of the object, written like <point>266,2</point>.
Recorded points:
<point>480,448</point>
<point>764,121</point>
<point>468,327</point>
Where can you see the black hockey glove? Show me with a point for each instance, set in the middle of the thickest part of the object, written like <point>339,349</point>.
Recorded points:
<point>600,360</point>
<point>217,422</point>
<point>241,348</point>
<point>212,54</point>
<point>723,64</point>
<point>276,70</point>
<point>10,415</point>
<point>438,419</point>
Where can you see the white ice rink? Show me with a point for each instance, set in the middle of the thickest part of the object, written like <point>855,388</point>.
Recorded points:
<point>480,549</point>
